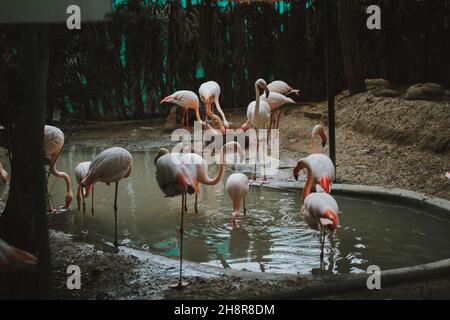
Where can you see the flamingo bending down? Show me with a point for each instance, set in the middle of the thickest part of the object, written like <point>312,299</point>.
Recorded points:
<point>109,166</point>
<point>258,114</point>
<point>12,258</point>
<point>3,174</point>
<point>323,167</point>
<point>53,143</point>
<point>275,101</point>
<point>81,171</point>
<point>319,210</point>
<point>282,88</point>
<point>209,94</point>
<point>179,174</point>
<point>237,188</point>
<point>186,100</point>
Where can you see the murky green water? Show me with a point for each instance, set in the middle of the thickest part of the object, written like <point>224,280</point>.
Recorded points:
<point>270,238</point>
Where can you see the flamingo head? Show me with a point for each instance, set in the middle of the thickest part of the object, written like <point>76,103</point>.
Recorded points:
<point>300,166</point>
<point>182,98</point>
<point>330,220</point>
<point>262,85</point>
<point>68,200</point>
<point>325,183</point>
<point>320,131</point>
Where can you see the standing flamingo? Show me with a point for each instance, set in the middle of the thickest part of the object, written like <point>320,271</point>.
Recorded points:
<point>109,166</point>
<point>319,210</point>
<point>53,143</point>
<point>81,171</point>
<point>323,167</point>
<point>258,114</point>
<point>237,188</point>
<point>12,258</point>
<point>275,101</point>
<point>209,94</point>
<point>284,89</point>
<point>3,174</point>
<point>186,100</point>
<point>179,174</point>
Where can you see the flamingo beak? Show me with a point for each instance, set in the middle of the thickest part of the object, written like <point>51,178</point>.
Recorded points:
<point>296,171</point>
<point>166,99</point>
<point>267,91</point>
<point>334,218</point>
<point>323,137</point>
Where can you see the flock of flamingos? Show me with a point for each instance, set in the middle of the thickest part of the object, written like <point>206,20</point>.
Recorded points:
<point>181,173</point>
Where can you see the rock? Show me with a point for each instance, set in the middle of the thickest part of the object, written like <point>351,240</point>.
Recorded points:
<point>377,84</point>
<point>424,91</point>
<point>385,92</point>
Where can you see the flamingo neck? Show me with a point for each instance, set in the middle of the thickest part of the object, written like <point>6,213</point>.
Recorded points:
<point>197,116</point>
<point>64,176</point>
<point>256,113</point>
<point>309,179</point>
<point>313,145</point>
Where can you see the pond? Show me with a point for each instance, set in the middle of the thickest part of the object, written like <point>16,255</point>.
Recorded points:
<point>270,238</point>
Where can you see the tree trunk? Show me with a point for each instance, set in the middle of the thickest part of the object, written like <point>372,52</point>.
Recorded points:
<point>24,221</point>
<point>350,45</point>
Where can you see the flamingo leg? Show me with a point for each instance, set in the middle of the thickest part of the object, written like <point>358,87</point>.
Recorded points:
<point>92,203</point>
<point>278,119</point>
<point>84,203</point>
<point>115,216</point>
<point>322,244</point>
<point>256,156</point>
<point>245,209</point>
<point>195,205</point>
<point>264,149</point>
<point>78,198</point>
<point>187,119</point>
<point>180,284</point>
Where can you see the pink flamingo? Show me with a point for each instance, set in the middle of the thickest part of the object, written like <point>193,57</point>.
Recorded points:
<point>180,173</point>
<point>187,100</point>
<point>209,94</point>
<point>3,174</point>
<point>81,171</point>
<point>323,167</point>
<point>275,101</point>
<point>237,188</point>
<point>284,89</point>
<point>109,166</point>
<point>53,143</point>
<point>12,258</point>
<point>258,115</point>
<point>319,210</point>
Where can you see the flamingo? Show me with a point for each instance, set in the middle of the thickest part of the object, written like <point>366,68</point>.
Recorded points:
<point>275,101</point>
<point>209,93</point>
<point>109,166</point>
<point>81,171</point>
<point>323,167</point>
<point>3,174</point>
<point>53,143</point>
<point>179,174</point>
<point>12,258</point>
<point>258,114</point>
<point>319,210</point>
<point>237,188</point>
<point>284,89</point>
<point>187,100</point>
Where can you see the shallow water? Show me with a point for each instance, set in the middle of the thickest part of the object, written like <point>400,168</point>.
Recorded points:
<point>270,238</point>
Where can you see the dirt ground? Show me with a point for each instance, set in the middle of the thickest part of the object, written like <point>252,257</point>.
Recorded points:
<point>385,142</point>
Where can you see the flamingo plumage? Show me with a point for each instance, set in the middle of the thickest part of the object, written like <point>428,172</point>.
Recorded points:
<point>53,143</point>
<point>109,166</point>
<point>81,171</point>
<point>237,186</point>
<point>282,88</point>
<point>187,100</point>
<point>319,210</point>
<point>209,94</point>
<point>3,174</point>
<point>258,115</point>
<point>12,258</point>
<point>180,173</point>
<point>324,172</point>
